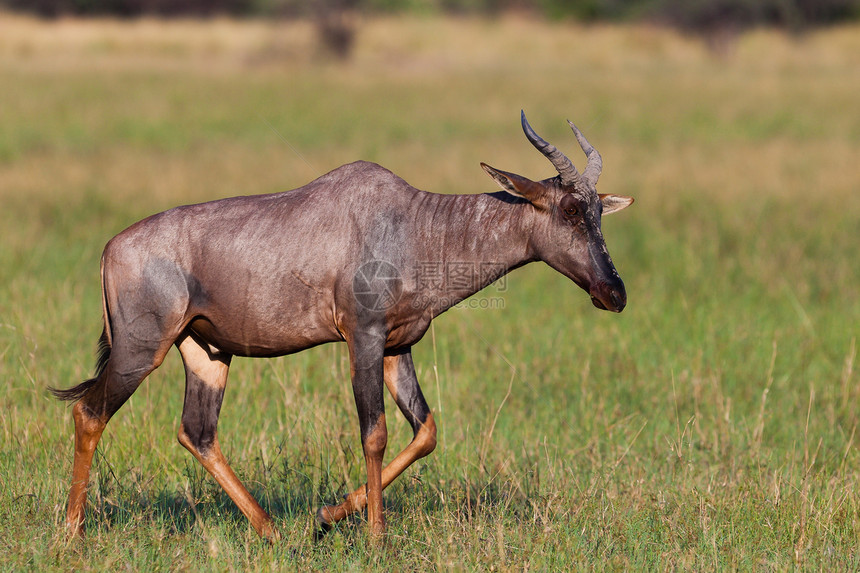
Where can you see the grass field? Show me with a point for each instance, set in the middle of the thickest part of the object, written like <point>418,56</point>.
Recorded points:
<point>712,425</point>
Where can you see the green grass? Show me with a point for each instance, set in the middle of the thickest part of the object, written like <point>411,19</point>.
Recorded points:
<point>710,426</point>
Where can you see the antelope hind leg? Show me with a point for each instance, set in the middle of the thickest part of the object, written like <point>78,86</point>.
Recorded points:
<point>123,373</point>
<point>205,380</point>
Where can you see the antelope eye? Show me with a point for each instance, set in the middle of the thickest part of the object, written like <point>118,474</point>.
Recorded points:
<point>569,207</point>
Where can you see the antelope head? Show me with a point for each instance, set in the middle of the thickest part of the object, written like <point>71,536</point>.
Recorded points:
<point>565,232</point>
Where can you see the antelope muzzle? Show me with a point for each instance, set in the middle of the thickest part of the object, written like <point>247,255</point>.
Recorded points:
<point>609,296</point>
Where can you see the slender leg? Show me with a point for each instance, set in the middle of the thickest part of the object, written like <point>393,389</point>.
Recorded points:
<point>145,304</point>
<point>402,382</point>
<point>92,412</point>
<point>205,380</point>
<point>366,351</point>
<point>88,431</point>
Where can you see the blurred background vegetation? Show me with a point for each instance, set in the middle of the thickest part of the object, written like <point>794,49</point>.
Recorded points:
<point>687,13</point>
<point>719,22</point>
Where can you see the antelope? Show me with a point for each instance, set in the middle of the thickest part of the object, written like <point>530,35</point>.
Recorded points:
<point>338,259</point>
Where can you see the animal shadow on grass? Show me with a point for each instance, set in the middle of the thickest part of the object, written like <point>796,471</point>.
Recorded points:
<point>289,491</point>
<point>286,491</point>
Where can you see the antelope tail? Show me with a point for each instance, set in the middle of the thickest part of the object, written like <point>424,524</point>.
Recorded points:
<point>78,392</point>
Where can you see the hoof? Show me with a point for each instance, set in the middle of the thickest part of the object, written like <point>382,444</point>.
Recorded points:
<point>271,537</point>
<point>266,529</point>
<point>75,530</point>
<point>323,526</point>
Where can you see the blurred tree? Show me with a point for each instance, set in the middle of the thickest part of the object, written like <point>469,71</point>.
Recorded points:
<point>337,18</point>
<point>336,22</point>
<point>128,8</point>
<point>721,21</point>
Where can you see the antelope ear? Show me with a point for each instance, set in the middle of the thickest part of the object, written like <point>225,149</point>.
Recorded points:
<point>613,203</point>
<point>514,184</point>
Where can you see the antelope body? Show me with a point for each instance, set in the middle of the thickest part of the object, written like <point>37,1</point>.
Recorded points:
<point>336,260</point>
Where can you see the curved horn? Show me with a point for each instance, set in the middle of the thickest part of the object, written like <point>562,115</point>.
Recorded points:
<point>562,164</point>
<point>595,162</point>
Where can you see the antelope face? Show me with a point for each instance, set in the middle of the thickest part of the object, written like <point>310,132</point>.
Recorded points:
<point>573,244</point>
<point>566,231</point>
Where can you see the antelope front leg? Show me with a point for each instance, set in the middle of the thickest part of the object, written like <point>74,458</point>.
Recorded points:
<point>402,382</point>
<point>366,350</point>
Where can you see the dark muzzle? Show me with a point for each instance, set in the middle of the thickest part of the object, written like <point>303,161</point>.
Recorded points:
<point>607,289</point>
<point>609,296</point>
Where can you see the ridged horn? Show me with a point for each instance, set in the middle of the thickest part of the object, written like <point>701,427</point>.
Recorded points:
<point>569,174</point>
<point>595,162</point>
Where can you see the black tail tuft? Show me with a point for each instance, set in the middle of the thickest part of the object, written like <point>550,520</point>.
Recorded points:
<point>75,392</point>
<point>78,392</point>
<point>103,354</point>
